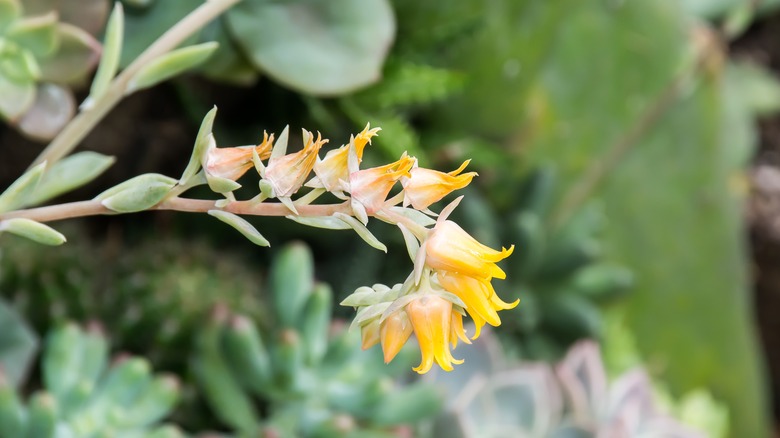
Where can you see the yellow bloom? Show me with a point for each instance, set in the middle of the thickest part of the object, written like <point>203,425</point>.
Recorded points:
<point>482,302</point>
<point>456,330</point>
<point>288,173</point>
<point>370,187</point>
<point>232,163</point>
<point>431,318</point>
<point>333,169</point>
<point>450,248</point>
<point>426,186</point>
<point>394,332</point>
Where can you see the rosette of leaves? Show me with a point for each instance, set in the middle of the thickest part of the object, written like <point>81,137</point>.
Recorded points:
<point>559,273</point>
<point>149,300</point>
<point>44,52</point>
<point>83,395</point>
<point>304,374</point>
<point>573,398</point>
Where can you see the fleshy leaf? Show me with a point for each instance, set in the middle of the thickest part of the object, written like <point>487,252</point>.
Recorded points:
<point>36,34</point>
<point>320,48</point>
<point>76,57</point>
<point>53,107</point>
<point>10,10</point>
<point>17,344</point>
<point>137,194</point>
<point>18,97</point>
<point>327,222</point>
<point>69,173</point>
<point>17,194</point>
<point>242,225</point>
<point>32,230</point>
<point>201,143</point>
<point>362,231</point>
<point>170,65</point>
<point>112,50</point>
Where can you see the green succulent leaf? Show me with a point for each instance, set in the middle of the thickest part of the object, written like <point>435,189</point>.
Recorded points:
<point>74,60</point>
<point>170,64</point>
<point>10,10</point>
<point>291,282</point>
<point>144,25</point>
<point>316,47</point>
<point>18,345</point>
<point>12,414</point>
<point>36,34</point>
<point>18,193</point>
<point>53,108</point>
<point>42,416</point>
<point>241,225</point>
<point>137,194</point>
<point>112,50</point>
<point>18,97</point>
<point>32,230</point>
<point>68,174</point>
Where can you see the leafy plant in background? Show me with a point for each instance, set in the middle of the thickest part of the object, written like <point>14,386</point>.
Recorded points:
<point>307,373</point>
<point>43,55</point>
<point>84,395</point>
<point>149,301</point>
<point>571,399</point>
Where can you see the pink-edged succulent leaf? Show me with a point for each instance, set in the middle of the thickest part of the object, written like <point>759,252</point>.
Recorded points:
<point>18,97</point>
<point>527,398</point>
<point>77,56</point>
<point>584,381</point>
<point>89,15</point>
<point>631,400</point>
<point>37,34</point>
<point>53,107</point>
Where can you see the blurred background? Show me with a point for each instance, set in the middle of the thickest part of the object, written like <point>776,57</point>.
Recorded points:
<point>630,149</point>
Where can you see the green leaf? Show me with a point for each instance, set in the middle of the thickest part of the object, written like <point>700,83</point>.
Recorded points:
<point>169,65</point>
<point>42,419</point>
<point>74,60</point>
<point>10,10</point>
<point>112,50</point>
<point>320,48</point>
<point>18,97</point>
<point>70,173</point>
<point>242,225</point>
<point>53,108</point>
<point>757,86</point>
<point>18,345</point>
<point>137,194</point>
<point>18,193</point>
<point>290,281</point>
<point>201,143</point>
<point>362,231</point>
<point>228,64</point>
<point>36,34</point>
<point>32,230</point>
<point>144,26</point>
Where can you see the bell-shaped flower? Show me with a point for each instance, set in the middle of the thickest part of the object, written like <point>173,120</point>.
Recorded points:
<point>394,331</point>
<point>431,317</point>
<point>287,173</point>
<point>333,169</point>
<point>233,162</point>
<point>370,187</point>
<point>450,248</point>
<point>482,302</point>
<point>369,334</point>
<point>456,330</point>
<point>426,186</point>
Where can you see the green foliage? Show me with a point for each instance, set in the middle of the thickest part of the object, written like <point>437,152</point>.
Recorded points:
<point>17,346</point>
<point>149,300</point>
<point>40,56</point>
<point>306,372</point>
<point>84,396</point>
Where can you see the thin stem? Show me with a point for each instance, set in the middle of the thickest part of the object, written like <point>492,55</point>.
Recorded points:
<point>82,124</point>
<point>251,208</point>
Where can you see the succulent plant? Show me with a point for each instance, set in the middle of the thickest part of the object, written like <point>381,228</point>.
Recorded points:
<point>560,274</point>
<point>84,396</point>
<point>43,52</point>
<point>571,399</point>
<point>304,375</point>
<point>149,300</point>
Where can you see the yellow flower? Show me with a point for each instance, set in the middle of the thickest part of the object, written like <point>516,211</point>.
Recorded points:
<point>287,173</point>
<point>456,330</point>
<point>431,318</point>
<point>482,302</point>
<point>333,169</point>
<point>450,248</point>
<point>369,334</point>
<point>370,187</point>
<point>394,332</point>
<point>426,186</point>
<point>232,163</point>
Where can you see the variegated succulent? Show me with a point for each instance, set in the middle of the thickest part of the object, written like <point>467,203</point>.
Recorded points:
<point>46,47</point>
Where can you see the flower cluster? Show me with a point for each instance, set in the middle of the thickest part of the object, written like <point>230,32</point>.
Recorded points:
<point>452,271</point>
